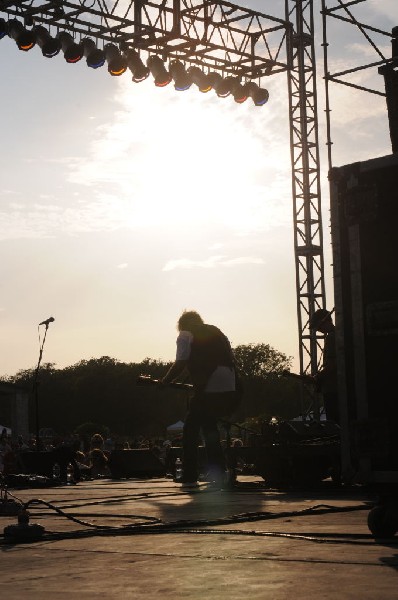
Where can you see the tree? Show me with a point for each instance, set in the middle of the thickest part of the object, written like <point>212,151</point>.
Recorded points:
<point>266,392</point>
<point>105,391</point>
<point>260,360</point>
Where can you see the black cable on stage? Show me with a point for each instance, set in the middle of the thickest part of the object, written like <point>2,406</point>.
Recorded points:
<point>318,509</point>
<point>354,539</point>
<point>154,526</point>
<point>80,521</point>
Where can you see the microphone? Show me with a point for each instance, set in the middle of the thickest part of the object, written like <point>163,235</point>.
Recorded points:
<point>47,321</point>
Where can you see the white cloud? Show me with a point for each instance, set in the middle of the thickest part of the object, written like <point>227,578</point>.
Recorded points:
<point>211,263</point>
<point>386,7</point>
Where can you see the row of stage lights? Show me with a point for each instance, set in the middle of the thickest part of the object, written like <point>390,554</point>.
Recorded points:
<point>118,62</point>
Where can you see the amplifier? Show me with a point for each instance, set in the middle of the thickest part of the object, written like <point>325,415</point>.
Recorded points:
<point>140,463</point>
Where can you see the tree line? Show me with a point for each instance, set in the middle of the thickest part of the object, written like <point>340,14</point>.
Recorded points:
<point>104,391</point>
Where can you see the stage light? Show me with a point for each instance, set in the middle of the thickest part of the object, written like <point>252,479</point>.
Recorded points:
<point>182,81</point>
<point>117,64</point>
<point>24,39</point>
<point>259,95</point>
<point>49,46</point>
<point>214,79</point>
<point>72,52</point>
<point>222,87</point>
<point>139,70</point>
<point>159,72</point>
<point>200,79</point>
<point>240,93</point>
<point>3,28</point>
<point>95,57</point>
<point>225,87</point>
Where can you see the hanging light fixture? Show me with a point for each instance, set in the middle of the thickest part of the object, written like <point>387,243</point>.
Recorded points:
<point>24,39</point>
<point>200,79</point>
<point>225,86</point>
<point>49,46</point>
<point>139,70</point>
<point>259,95</point>
<point>182,81</point>
<point>95,57</point>
<point>239,92</point>
<point>159,72</point>
<point>117,63</point>
<point>72,52</point>
<point>214,79</point>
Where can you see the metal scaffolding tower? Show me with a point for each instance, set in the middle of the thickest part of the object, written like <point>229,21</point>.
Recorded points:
<point>304,147</point>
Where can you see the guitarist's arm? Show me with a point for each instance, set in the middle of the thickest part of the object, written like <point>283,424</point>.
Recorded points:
<point>175,370</point>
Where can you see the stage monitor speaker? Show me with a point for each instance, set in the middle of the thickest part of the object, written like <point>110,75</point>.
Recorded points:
<point>37,463</point>
<point>42,462</point>
<point>135,463</point>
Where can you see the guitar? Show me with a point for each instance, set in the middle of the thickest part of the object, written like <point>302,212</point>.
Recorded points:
<point>147,380</point>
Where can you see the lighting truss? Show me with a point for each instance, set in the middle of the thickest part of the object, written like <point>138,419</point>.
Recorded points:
<point>212,34</point>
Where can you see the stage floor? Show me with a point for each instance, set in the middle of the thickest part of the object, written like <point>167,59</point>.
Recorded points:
<point>147,539</point>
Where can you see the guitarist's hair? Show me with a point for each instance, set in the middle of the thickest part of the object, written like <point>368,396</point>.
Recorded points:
<point>189,321</point>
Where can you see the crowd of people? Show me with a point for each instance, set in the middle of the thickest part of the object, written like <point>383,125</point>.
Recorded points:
<point>89,457</point>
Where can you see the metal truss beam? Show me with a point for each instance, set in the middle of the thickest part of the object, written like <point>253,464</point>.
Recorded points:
<point>210,33</point>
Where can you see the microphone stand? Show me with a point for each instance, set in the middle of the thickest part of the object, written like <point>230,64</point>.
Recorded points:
<point>36,392</point>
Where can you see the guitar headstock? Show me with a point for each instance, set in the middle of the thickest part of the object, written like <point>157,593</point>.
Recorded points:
<point>146,380</point>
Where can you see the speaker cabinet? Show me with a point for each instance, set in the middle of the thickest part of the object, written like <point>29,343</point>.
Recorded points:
<point>140,463</point>
<point>42,462</point>
<point>364,219</point>
<point>37,463</point>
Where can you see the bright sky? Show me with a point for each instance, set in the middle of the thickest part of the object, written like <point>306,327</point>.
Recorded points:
<point>123,204</point>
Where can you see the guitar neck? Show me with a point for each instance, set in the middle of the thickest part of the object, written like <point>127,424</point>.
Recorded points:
<point>147,380</point>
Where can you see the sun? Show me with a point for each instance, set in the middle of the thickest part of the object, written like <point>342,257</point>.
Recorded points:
<point>179,158</point>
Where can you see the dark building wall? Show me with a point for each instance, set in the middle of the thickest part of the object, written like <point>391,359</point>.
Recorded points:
<point>364,220</point>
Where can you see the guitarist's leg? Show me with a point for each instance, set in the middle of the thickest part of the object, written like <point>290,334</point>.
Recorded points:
<point>214,451</point>
<point>216,406</point>
<point>190,443</point>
